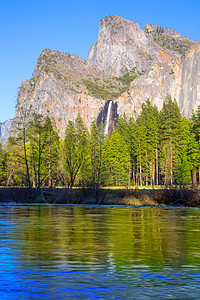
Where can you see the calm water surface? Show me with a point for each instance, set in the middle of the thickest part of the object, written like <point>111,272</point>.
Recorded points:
<point>83,252</point>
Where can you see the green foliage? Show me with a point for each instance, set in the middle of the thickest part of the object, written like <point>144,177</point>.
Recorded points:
<point>126,129</point>
<point>195,121</point>
<point>159,30</point>
<point>98,91</point>
<point>112,89</point>
<point>75,149</point>
<point>96,149</point>
<point>128,77</point>
<point>157,147</point>
<point>170,130</point>
<point>15,165</point>
<point>3,163</point>
<point>50,153</point>
<point>116,157</point>
<point>183,172</point>
<point>177,45</point>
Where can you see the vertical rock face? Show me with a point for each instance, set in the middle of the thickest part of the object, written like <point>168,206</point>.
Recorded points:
<point>122,45</point>
<point>56,89</point>
<point>180,78</point>
<point>4,131</point>
<point>189,91</point>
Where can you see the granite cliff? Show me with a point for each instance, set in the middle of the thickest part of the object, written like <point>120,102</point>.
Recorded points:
<point>62,86</point>
<point>127,65</point>
<point>122,45</point>
<point>180,78</point>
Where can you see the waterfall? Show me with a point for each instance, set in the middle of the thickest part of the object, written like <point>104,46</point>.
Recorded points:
<point>107,118</point>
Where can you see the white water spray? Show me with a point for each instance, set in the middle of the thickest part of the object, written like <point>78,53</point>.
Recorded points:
<point>108,118</point>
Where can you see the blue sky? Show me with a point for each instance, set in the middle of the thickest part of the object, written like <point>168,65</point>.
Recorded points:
<point>27,27</point>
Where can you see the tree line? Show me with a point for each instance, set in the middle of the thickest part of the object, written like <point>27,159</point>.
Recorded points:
<point>158,148</point>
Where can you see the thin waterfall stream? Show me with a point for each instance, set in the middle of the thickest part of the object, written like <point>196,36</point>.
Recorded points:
<point>108,118</point>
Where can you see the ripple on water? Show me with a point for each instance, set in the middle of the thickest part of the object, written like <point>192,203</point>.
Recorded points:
<point>72,252</point>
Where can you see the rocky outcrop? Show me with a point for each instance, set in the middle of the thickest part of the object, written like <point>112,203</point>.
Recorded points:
<point>56,89</point>
<point>62,86</point>
<point>180,78</point>
<point>169,39</point>
<point>122,45</point>
<point>5,130</point>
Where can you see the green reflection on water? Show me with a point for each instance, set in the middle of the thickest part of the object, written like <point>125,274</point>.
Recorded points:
<point>106,236</point>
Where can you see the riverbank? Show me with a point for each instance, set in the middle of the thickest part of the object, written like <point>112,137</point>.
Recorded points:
<point>108,196</point>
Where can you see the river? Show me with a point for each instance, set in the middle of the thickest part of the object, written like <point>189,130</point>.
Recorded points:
<point>85,252</point>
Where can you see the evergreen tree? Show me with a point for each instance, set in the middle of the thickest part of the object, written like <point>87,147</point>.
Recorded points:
<point>171,137</point>
<point>61,171</point>
<point>183,153</point>
<point>193,156</point>
<point>116,155</point>
<point>126,129</point>
<point>96,147</point>
<point>183,174</point>
<point>141,151</point>
<point>149,131</point>
<point>195,121</point>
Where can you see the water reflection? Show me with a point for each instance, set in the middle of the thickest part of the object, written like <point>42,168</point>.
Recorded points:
<point>85,252</point>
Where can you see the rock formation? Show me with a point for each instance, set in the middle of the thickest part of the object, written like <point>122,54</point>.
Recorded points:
<point>122,45</point>
<point>169,39</point>
<point>4,131</point>
<point>127,65</point>
<point>57,88</point>
<point>180,78</point>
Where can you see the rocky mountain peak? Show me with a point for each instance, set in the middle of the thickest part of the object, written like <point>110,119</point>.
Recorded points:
<point>122,45</point>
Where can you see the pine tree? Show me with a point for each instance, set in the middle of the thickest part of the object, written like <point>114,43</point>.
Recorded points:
<point>171,137</point>
<point>126,129</point>
<point>186,148</point>
<point>195,121</point>
<point>183,174</point>
<point>148,123</point>
<point>141,150</point>
<point>96,147</point>
<point>193,156</point>
<point>61,171</point>
<point>116,155</point>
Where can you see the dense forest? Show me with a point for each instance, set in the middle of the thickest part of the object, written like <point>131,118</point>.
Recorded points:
<point>158,148</point>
